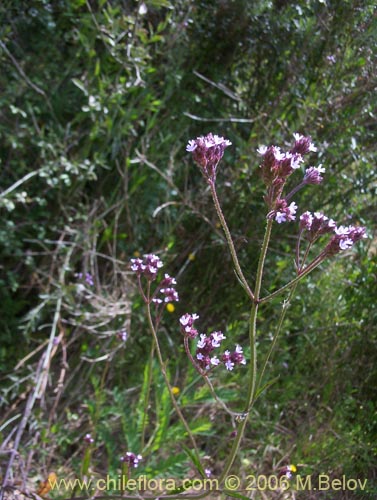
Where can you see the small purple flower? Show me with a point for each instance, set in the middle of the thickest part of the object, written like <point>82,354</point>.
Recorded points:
<point>88,438</point>
<point>215,361</point>
<point>313,175</point>
<point>226,359</point>
<point>89,279</point>
<point>207,151</point>
<point>148,266</point>
<point>303,145</point>
<point>122,335</point>
<point>167,281</point>
<point>331,59</point>
<point>316,224</point>
<point>283,212</point>
<point>171,294</point>
<point>216,338</point>
<point>187,322</point>
<point>306,220</point>
<point>344,238</point>
<point>234,358</point>
<point>131,459</point>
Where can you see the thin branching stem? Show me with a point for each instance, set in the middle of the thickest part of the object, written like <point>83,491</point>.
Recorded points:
<point>229,240</point>
<point>167,382</point>
<point>253,353</point>
<point>303,273</point>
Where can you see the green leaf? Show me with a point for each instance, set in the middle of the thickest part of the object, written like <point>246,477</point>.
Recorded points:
<point>194,459</point>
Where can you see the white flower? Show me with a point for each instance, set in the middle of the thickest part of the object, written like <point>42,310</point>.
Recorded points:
<point>280,217</point>
<point>346,243</point>
<point>201,342</point>
<point>229,365</point>
<point>191,146</point>
<point>215,361</point>
<point>262,150</point>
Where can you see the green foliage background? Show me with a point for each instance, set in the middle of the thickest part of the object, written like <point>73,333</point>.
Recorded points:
<point>98,101</point>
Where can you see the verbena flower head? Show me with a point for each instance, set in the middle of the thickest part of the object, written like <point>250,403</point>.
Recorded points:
<point>88,438</point>
<point>345,237</point>
<point>131,459</point>
<point>148,266</point>
<point>170,294</point>
<point>303,145</point>
<point>207,151</point>
<point>277,166</point>
<point>207,344</point>
<point>316,224</point>
<point>283,212</point>
<point>187,325</point>
<point>313,175</point>
<point>231,359</point>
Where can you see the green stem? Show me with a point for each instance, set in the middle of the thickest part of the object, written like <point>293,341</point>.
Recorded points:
<point>278,329</point>
<point>230,241</point>
<point>304,273</point>
<point>147,395</point>
<point>253,352</point>
<point>166,378</point>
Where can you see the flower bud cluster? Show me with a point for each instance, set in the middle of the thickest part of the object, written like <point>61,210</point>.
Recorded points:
<point>283,212</point>
<point>276,168</point>
<point>313,175</point>
<point>187,322</point>
<point>318,224</point>
<point>344,238</point>
<point>88,278</point>
<point>88,438</point>
<point>207,151</point>
<point>131,459</point>
<point>147,267</point>
<point>207,344</point>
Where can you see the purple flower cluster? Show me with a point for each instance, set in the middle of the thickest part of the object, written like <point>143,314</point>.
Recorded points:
<point>313,175</point>
<point>230,359</point>
<point>187,325</point>
<point>169,294</point>
<point>207,344</point>
<point>88,438</point>
<point>318,224</point>
<point>283,212</point>
<point>277,166</point>
<point>207,151</point>
<point>131,459</point>
<point>122,335</point>
<point>147,267</point>
<point>88,278</point>
<point>344,238</point>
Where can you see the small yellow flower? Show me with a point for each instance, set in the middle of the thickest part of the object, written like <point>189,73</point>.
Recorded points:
<point>191,256</point>
<point>175,390</point>
<point>292,468</point>
<point>170,307</point>
<point>137,254</point>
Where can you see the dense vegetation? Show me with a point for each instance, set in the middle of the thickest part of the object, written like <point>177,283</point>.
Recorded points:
<point>98,101</point>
